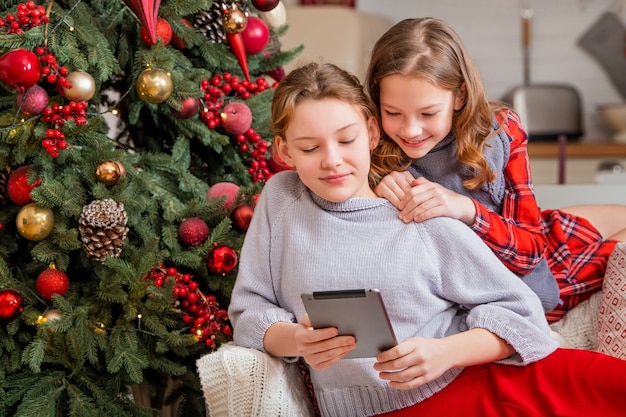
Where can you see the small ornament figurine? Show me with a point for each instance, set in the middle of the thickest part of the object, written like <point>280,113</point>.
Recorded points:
<point>241,217</point>
<point>52,281</point>
<point>255,36</point>
<point>110,172</point>
<point>20,68</point>
<point>154,85</point>
<point>224,189</point>
<point>18,187</point>
<point>236,118</point>
<point>83,86</point>
<point>11,304</point>
<point>34,222</point>
<point>33,101</point>
<point>276,17</point>
<point>193,231</point>
<point>221,259</point>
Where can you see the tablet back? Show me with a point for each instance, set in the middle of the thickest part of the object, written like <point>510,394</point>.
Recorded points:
<point>359,312</point>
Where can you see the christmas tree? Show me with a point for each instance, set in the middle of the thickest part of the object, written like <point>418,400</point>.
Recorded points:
<point>134,139</point>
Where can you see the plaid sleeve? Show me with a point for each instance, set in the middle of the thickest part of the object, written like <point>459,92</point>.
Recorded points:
<point>516,235</point>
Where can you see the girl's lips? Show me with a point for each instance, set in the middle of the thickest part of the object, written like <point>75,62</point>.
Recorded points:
<point>335,178</point>
<point>415,143</point>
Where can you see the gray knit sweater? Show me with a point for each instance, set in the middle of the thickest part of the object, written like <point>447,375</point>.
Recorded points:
<point>437,278</point>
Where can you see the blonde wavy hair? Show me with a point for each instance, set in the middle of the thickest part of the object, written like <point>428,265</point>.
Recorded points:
<point>430,49</point>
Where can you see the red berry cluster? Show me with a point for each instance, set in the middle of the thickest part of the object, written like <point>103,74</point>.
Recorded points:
<point>58,115</point>
<point>27,16</point>
<point>201,312</point>
<point>227,85</point>
<point>51,69</point>
<point>258,151</point>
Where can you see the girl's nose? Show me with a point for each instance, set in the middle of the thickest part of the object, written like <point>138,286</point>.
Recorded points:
<point>332,157</point>
<point>411,128</point>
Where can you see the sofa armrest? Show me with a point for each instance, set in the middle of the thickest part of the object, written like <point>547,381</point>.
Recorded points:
<point>239,381</point>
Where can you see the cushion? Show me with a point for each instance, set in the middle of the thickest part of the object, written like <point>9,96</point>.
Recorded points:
<point>579,327</point>
<point>612,313</point>
<point>238,381</point>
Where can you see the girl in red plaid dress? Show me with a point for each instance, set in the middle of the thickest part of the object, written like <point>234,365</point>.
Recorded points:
<point>464,157</point>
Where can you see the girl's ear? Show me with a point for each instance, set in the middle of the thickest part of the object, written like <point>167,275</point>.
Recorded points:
<point>373,129</point>
<point>461,98</point>
<point>282,150</point>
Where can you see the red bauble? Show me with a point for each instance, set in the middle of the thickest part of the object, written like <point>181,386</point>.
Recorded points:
<point>241,217</point>
<point>18,187</point>
<point>255,36</point>
<point>20,68</point>
<point>236,118</point>
<point>224,189</point>
<point>163,32</point>
<point>11,304</point>
<point>52,281</point>
<point>193,231</point>
<point>221,259</point>
<point>33,101</point>
<point>265,5</point>
<point>189,109</point>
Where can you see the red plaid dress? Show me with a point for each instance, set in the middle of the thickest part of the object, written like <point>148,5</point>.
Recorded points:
<point>576,253</point>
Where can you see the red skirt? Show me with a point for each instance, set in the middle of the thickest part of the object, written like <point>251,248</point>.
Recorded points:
<point>569,382</point>
<point>577,256</point>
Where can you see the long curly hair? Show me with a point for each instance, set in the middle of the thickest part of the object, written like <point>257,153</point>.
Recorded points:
<point>430,49</point>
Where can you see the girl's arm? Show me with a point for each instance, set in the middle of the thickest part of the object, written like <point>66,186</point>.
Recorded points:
<point>516,236</point>
<point>427,359</point>
<point>320,348</point>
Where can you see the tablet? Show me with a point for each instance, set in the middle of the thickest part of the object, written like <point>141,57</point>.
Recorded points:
<point>359,312</point>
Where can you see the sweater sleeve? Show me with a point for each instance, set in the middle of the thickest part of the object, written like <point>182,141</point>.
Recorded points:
<point>495,298</point>
<point>515,235</point>
<point>254,305</point>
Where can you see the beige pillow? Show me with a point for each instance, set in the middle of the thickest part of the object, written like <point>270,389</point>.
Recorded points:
<point>612,313</point>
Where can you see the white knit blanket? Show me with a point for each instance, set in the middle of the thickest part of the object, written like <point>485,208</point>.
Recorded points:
<point>242,382</point>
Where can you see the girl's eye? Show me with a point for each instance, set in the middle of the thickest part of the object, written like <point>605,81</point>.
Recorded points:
<point>434,113</point>
<point>309,150</point>
<point>347,141</point>
<point>391,113</point>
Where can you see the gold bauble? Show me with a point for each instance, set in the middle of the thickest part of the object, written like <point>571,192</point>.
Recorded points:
<point>154,85</point>
<point>83,86</point>
<point>109,172</point>
<point>234,20</point>
<point>34,222</point>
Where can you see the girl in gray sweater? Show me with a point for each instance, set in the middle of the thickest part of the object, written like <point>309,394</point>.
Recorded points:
<point>473,339</point>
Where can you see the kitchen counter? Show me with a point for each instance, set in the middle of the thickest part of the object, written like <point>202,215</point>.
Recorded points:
<point>577,150</point>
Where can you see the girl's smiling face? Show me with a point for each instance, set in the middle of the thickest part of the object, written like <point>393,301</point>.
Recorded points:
<point>328,142</point>
<point>415,113</point>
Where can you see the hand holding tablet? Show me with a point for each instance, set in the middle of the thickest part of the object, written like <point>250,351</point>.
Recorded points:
<point>360,313</point>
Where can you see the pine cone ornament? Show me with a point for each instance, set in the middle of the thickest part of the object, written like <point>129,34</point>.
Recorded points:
<point>210,23</point>
<point>102,227</point>
<point>4,178</point>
